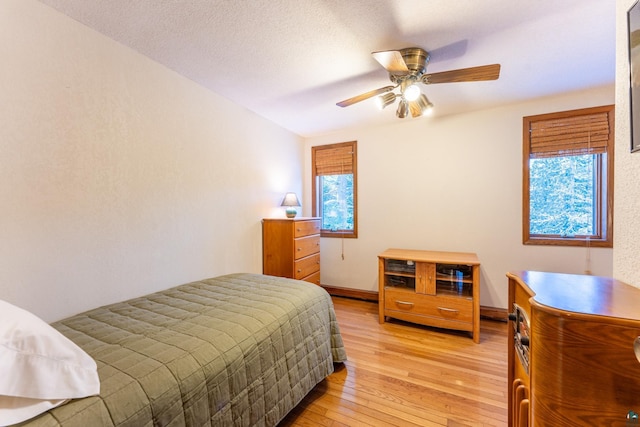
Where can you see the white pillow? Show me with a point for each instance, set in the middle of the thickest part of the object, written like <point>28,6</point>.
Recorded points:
<point>39,367</point>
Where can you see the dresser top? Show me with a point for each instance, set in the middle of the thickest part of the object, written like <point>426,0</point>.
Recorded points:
<point>298,218</point>
<point>594,295</point>
<point>443,257</point>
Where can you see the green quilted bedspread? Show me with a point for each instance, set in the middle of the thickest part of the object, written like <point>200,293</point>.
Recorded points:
<point>235,350</point>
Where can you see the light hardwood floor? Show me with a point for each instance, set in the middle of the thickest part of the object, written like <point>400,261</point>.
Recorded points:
<point>401,374</point>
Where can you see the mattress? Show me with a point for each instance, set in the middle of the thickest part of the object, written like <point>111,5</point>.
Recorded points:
<point>236,350</point>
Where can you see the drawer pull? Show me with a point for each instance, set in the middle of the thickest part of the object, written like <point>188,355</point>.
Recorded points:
<point>448,310</point>
<point>407,303</point>
<point>299,249</point>
<point>299,271</point>
<point>298,229</point>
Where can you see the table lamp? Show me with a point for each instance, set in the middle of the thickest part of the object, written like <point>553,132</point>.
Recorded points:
<point>291,201</point>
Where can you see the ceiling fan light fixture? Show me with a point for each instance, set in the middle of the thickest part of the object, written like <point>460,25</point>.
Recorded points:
<point>411,92</point>
<point>403,109</point>
<point>425,105</point>
<point>386,99</point>
<point>422,106</point>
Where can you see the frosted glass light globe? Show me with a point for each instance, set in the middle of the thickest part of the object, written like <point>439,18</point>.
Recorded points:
<point>411,93</point>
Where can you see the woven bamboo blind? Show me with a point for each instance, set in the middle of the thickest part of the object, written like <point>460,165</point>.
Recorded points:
<point>334,159</point>
<point>571,135</point>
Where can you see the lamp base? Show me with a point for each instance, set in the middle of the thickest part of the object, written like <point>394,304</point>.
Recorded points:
<point>291,212</point>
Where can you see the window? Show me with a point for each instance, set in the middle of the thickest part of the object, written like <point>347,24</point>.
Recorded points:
<point>334,189</point>
<point>568,178</point>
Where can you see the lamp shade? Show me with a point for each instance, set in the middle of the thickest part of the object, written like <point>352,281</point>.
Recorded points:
<point>386,99</point>
<point>425,105</point>
<point>290,201</point>
<point>403,109</point>
<point>421,106</point>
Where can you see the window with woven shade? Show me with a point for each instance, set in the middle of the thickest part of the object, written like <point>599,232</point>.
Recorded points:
<point>334,174</point>
<point>568,178</point>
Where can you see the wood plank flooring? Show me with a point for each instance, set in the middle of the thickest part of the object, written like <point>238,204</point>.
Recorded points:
<point>401,374</point>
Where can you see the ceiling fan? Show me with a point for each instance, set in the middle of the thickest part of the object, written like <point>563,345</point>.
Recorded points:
<point>408,67</point>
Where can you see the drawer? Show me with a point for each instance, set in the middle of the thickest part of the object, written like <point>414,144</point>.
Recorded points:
<point>314,278</point>
<point>306,246</point>
<point>306,228</point>
<point>306,266</point>
<point>446,308</point>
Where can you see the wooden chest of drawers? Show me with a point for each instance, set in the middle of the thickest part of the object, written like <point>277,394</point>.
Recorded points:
<point>291,248</point>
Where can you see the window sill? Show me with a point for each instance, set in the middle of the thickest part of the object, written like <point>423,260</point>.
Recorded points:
<point>549,241</point>
<point>341,234</point>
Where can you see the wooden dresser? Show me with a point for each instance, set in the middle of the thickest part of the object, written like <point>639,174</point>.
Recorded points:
<point>432,288</point>
<point>291,248</point>
<point>571,351</point>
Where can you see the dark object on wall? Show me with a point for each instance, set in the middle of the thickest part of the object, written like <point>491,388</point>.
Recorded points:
<point>633,20</point>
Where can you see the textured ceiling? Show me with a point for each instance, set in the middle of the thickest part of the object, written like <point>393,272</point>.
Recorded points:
<point>290,61</point>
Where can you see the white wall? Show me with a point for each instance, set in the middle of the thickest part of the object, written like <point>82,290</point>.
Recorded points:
<point>119,177</point>
<point>626,254</point>
<point>454,184</point>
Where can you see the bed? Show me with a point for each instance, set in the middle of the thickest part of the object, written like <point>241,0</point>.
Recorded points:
<point>236,350</point>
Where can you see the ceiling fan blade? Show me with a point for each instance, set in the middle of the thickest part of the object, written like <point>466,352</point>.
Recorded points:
<point>472,74</point>
<point>392,61</point>
<point>364,96</point>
